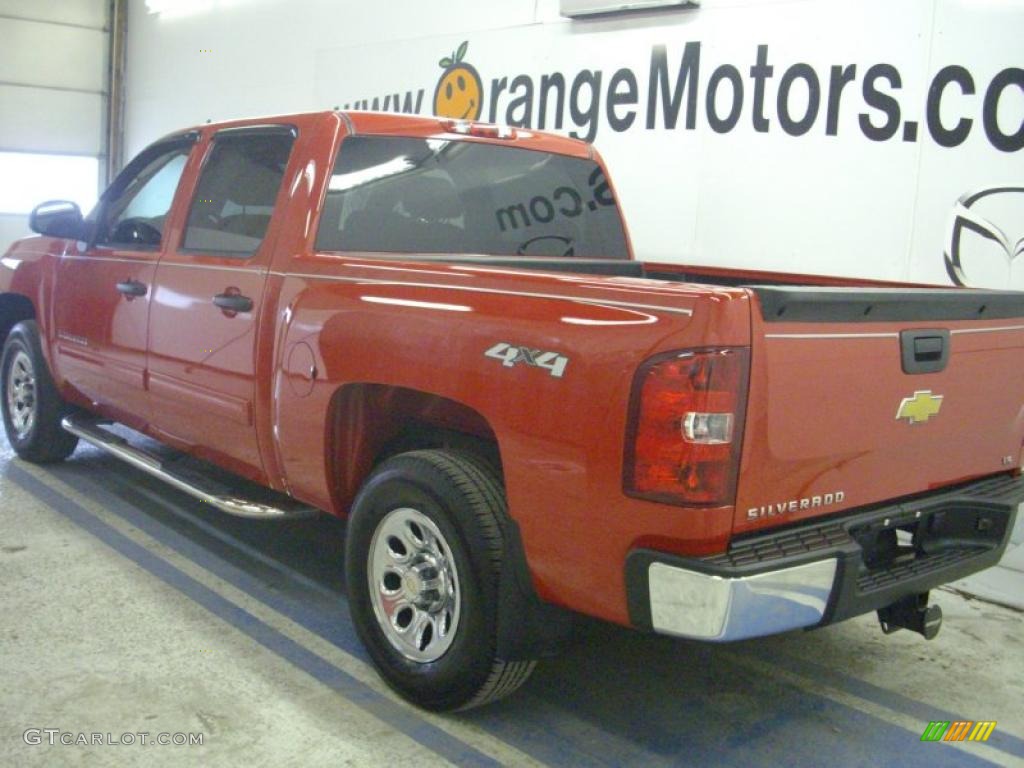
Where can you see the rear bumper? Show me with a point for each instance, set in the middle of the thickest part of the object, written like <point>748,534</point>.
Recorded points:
<point>821,572</point>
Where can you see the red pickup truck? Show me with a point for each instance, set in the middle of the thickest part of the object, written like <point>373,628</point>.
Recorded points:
<point>437,329</point>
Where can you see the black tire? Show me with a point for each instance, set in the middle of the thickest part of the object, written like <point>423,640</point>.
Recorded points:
<point>41,441</point>
<point>462,496</point>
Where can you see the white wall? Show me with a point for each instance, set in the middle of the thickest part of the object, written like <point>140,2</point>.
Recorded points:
<point>843,201</point>
<point>262,55</point>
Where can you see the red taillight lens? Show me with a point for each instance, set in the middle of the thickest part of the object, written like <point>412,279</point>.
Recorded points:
<point>685,427</point>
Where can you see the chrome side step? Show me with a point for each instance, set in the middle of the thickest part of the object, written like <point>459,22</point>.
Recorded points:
<point>90,430</point>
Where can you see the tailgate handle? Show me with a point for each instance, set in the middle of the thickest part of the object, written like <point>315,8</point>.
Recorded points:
<point>928,348</point>
<point>924,351</point>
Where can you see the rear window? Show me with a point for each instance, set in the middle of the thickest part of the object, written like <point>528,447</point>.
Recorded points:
<point>404,195</point>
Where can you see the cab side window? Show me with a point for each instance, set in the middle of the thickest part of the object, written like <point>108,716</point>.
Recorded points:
<point>136,206</point>
<point>236,192</point>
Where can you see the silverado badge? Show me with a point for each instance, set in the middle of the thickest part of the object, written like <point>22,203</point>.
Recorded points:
<point>919,407</point>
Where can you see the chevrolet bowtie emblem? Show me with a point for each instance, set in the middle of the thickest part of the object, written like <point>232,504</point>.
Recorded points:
<point>920,407</point>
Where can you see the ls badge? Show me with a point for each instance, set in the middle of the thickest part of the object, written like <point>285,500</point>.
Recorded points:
<point>510,354</point>
<point>920,407</point>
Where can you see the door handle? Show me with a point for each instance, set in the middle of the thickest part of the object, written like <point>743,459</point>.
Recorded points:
<point>131,288</point>
<point>233,302</point>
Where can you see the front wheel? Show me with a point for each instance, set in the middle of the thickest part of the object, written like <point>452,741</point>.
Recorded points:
<point>32,407</point>
<point>422,558</point>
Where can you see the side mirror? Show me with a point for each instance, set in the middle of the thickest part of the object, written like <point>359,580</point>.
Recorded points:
<point>57,218</point>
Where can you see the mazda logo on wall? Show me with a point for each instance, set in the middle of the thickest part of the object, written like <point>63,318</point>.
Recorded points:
<point>986,237</point>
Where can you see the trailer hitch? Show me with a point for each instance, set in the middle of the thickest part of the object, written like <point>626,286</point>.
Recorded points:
<point>913,613</point>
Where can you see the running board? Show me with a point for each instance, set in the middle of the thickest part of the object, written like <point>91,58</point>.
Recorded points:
<point>189,482</point>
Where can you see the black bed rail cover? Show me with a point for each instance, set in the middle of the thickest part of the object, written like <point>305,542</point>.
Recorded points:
<point>808,304</point>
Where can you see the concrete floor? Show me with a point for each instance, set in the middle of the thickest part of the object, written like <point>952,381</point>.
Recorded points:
<point>129,608</point>
<point>1003,583</point>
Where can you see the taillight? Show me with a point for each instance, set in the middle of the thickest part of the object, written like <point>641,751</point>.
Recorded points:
<point>685,427</point>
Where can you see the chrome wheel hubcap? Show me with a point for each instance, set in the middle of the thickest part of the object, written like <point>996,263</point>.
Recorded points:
<point>414,585</point>
<point>21,394</point>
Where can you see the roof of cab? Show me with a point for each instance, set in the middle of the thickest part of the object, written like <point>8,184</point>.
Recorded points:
<point>394,124</point>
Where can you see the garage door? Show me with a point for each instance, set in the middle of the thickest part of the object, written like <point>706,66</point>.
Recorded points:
<point>53,71</point>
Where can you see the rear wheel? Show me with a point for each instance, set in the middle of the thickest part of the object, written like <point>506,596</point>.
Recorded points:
<point>423,553</point>
<point>32,407</point>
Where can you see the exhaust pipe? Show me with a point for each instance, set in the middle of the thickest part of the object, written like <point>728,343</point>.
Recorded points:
<point>913,613</point>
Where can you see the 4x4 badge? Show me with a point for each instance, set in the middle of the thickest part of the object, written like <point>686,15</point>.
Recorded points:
<point>510,354</point>
<point>919,407</point>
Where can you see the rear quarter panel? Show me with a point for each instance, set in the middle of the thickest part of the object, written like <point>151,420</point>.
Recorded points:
<point>427,327</point>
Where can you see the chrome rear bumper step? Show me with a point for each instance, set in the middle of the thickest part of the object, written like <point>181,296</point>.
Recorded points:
<point>211,492</point>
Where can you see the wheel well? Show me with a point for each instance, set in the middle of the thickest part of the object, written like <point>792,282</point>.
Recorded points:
<point>13,309</point>
<point>370,422</point>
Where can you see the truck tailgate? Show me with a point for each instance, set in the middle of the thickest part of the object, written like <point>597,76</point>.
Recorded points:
<point>863,396</point>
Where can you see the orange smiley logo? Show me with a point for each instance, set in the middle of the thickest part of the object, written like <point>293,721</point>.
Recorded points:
<point>459,92</point>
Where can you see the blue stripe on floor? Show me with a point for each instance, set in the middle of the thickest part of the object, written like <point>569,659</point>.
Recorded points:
<point>550,742</point>
<point>551,721</point>
<point>1004,742</point>
<point>353,690</point>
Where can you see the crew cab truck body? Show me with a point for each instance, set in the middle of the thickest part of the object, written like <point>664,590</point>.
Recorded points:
<point>437,329</point>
